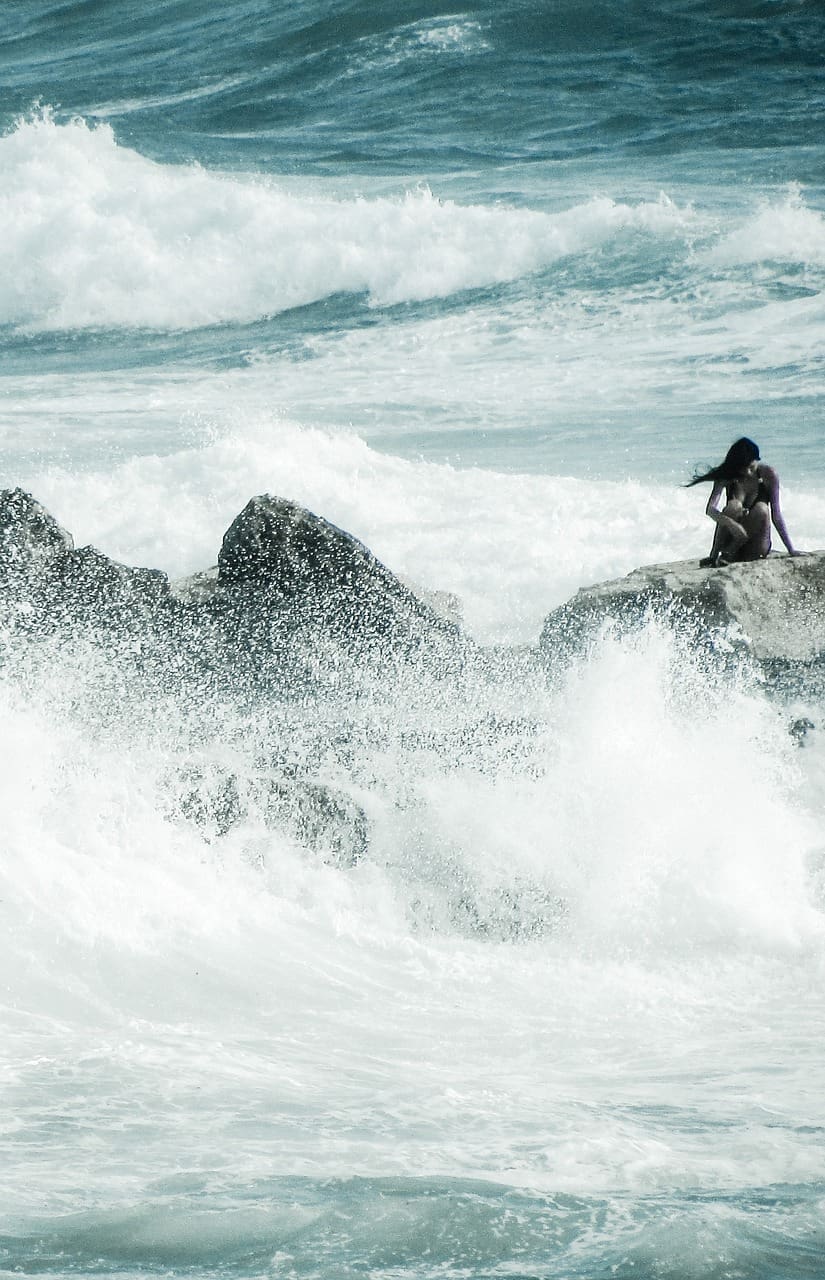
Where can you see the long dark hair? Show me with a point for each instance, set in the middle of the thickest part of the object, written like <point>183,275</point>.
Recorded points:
<point>739,456</point>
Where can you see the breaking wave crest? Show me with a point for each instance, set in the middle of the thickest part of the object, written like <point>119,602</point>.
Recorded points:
<point>108,238</point>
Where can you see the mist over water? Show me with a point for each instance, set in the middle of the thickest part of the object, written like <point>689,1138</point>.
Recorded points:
<point>482,287</point>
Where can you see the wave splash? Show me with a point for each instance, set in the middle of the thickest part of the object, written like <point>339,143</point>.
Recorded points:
<point>593,814</point>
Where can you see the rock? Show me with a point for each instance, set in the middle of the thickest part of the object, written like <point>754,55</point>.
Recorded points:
<point>445,603</point>
<point>799,730</point>
<point>277,546</point>
<point>41,567</point>
<point>517,911</point>
<point>290,598</point>
<point>31,540</point>
<point>323,820</point>
<point>277,555</point>
<point>774,607</point>
<point>94,582</point>
<point>198,588</point>
<point>282,547</point>
<point>209,797</point>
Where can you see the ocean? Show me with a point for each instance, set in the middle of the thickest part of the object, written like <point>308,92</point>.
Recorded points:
<point>483,285</point>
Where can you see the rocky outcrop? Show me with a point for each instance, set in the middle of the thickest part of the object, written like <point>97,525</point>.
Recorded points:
<point>32,543</point>
<point>292,597</point>
<point>47,582</point>
<point>775,607</point>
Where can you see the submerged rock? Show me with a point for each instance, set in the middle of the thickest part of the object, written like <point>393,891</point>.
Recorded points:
<point>800,729</point>
<point>774,607</point>
<point>323,820</point>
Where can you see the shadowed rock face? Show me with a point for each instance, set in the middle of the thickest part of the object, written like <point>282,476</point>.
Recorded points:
<point>774,607</point>
<point>279,550</point>
<point>51,582</point>
<point>279,545</point>
<point>94,582</point>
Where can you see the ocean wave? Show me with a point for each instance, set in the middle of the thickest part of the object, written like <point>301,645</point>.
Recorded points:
<point>494,84</point>
<point>783,231</point>
<point>96,235</point>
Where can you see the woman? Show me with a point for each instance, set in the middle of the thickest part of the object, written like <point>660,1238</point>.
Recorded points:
<point>743,525</point>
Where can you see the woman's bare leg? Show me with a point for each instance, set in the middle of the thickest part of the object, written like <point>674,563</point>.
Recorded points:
<point>725,545</point>
<point>758,525</point>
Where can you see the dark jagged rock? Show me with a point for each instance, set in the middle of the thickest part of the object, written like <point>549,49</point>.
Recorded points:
<point>315,571</point>
<point>774,608</point>
<point>40,565</point>
<point>280,545</point>
<point>295,598</point>
<point>31,540</point>
<point>94,582</point>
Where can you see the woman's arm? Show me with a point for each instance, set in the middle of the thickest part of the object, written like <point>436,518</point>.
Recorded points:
<point>737,532</point>
<point>771,480</point>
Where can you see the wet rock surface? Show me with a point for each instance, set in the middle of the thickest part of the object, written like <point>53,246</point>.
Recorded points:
<point>775,608</point>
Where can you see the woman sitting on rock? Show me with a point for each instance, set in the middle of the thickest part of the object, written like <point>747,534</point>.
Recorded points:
<point>743,525</point>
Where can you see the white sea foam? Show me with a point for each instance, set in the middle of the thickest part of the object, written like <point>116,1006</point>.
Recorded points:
<point>640,796</point>
<point>443,35</point>
<point>93,234</point>
<point>268,986</point>
<point>557,961</point>
<point>606,799</point>
<point>785,231</point>
<point>451,35</point>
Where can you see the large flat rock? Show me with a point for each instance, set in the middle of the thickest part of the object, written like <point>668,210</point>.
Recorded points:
<point>776,607</point>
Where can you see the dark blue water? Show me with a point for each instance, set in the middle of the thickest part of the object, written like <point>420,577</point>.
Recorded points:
<point>316,88</point>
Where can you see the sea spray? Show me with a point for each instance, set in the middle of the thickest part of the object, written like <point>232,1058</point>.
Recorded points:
<point>497,804</point>
<point>549,959</point>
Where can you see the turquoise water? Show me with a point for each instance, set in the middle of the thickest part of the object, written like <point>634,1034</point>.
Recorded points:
<point>483,286</point>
